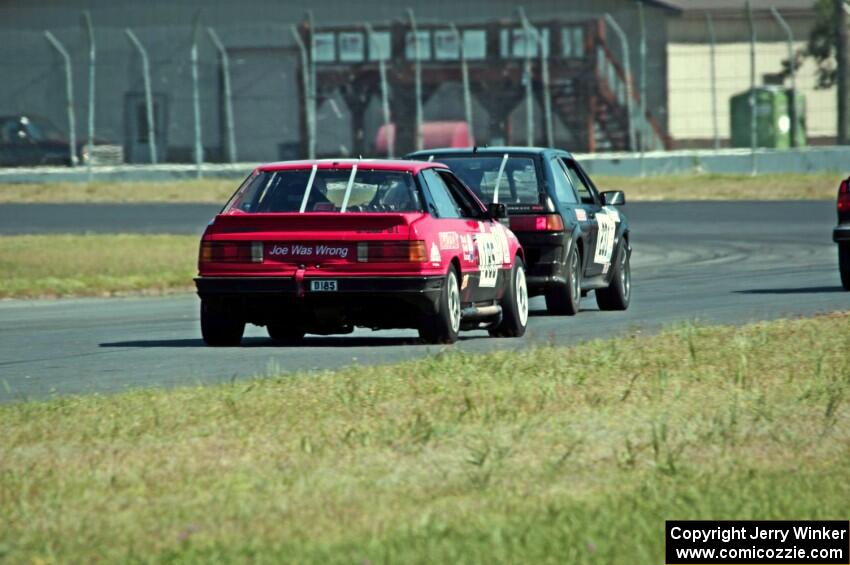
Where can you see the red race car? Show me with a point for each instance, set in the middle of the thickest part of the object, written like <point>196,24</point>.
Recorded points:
<point>324,246</point>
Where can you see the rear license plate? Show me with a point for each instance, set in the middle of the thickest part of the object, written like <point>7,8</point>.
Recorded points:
<point>323,286</point>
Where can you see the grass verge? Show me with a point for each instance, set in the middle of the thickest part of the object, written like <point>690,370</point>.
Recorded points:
<point>818,186</point>
<point>95,265</point>
<point>813,186</point>
<point>205,191</point>
<point>552,454</point>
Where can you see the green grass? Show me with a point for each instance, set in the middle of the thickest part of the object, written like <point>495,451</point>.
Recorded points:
<point>819,186</point>
<point>562,455</point>
<point>95,265</point>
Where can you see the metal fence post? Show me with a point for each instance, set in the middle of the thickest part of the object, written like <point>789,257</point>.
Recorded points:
<point>385,97</point>
<point>313,86</point>
<point>792,99</point>
<point>87,25</point>
<point>627,70</point>
<point>146,72</point>
<point>753,124</point>
<point>544,78</point>
<point>305,78</point>
<point>228,97</point>
<point>713,69</point>
<point>69,95</point>
<point>464,74</point>
<point>643,122</point>
<point>417,69</point>
<point>196,98</point>
<point>526,73</point>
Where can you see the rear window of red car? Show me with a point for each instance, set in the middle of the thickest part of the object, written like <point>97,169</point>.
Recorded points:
<point>327,190</point>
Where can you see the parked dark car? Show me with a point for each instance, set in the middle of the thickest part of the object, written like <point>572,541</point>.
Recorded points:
<point>574,238</point>
<point>27,140</point>
<point>841,234</point>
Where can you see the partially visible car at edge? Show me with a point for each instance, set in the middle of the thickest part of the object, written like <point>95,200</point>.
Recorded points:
<point>841,233</point>
<point>28,140</point>
<point>325,246</point>
<point>575,239</point>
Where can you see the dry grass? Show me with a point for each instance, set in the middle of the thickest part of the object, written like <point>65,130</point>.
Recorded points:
<point>206,190</point>
<point>95,265</point>
<point>545,455</point>
<point>818,186</point>
<point>814,186</point>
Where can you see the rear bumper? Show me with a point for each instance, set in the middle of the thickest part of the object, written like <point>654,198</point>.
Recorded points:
<point>373,302</point>
<point>841,234</point>
<point>277,286</point>
<point>544,253</point>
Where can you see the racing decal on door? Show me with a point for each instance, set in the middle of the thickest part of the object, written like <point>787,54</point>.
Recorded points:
<point>503,242</point>
<point>449,240</point>
<point>435,254</point>
<point>605,238</point>
<point>489,259</point>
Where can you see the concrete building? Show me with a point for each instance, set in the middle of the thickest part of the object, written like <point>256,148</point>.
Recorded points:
<point>691,121</point>
<point>264,64</point>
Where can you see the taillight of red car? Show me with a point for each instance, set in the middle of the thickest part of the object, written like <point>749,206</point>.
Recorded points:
<point>544,222</point>
<point>231,252</point>
<point>844,196</point>
<point>391,252</point>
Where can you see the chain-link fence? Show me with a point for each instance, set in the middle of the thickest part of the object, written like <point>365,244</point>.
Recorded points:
<point>588,82</point>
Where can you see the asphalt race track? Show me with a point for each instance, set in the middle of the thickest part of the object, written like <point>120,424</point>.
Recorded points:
<point>725,262</point>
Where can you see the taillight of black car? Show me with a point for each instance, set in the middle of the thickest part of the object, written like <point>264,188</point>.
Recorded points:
<point>844,201</point>
<point>543,222</point>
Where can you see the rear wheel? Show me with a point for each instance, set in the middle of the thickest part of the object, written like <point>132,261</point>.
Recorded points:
<point>514,305</point>
<point>284,333</point>
<point>444,325</point>
<point>619,292</point>
<point>565,300</point>
<point>219,327</point>
<point>844,264</point>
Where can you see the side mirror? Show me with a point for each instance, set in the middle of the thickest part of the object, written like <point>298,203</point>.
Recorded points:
<point>614,198</point>
<point>497,210</point>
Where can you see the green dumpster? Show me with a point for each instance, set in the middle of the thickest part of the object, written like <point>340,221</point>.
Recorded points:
<point>773,121</point>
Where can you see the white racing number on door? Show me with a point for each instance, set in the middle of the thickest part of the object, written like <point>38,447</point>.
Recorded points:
<point>489,258</point>
<point>605,238</point>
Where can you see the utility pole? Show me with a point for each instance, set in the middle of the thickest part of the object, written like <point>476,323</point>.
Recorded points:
<point>841,78</point>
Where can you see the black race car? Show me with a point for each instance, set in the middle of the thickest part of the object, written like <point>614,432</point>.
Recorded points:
<point>841,234</point>
<point>575,239</point>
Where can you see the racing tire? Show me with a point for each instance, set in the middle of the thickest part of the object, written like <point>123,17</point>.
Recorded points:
<point>565,300</point>
<point>444,325</point>
<point>514,305</point>
<point>844,264</point>
<point>285,334</point>
<point>220,328</point>
<point>619,291</point>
